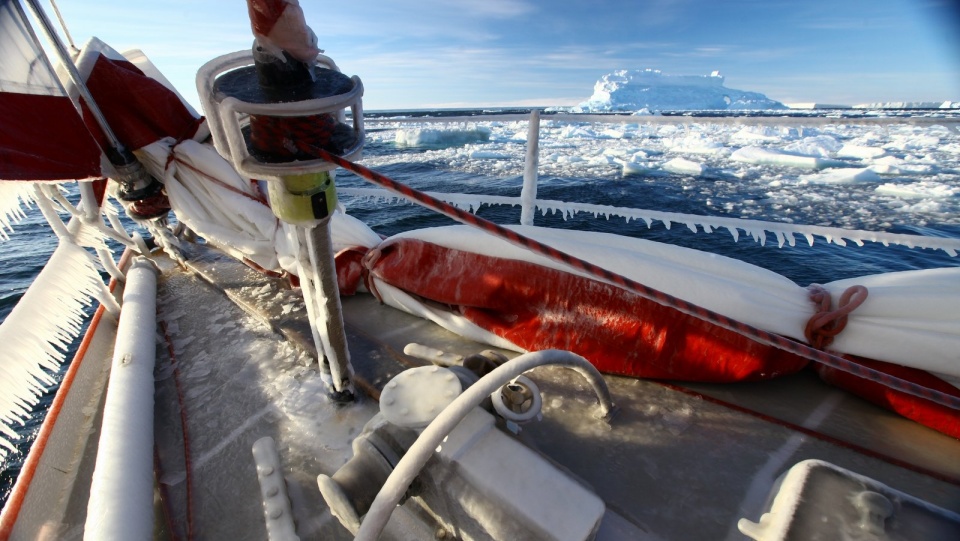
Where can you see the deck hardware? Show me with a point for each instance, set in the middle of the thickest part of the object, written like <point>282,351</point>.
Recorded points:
<point>278,516</point>
<point>518,401</point>
<point>462,430</point>
<point>816,499</point>
<point>295,107</point>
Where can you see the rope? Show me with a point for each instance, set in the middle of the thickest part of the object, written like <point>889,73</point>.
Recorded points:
<point>187,461</point>
<point>287,138</point>
<point>827,323</point>
<point>758,335</point>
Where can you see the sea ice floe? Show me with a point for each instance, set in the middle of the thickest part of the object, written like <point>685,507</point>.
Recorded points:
<point>860,151</point>
<point>683,166</point>
<point>441,137</point>
<point>823,146</point>
<point>765,156</point>
<point>921,189</point>
<point>696,145</point>
<point>636,168</point>
<point>842,176</point>
<point>763,134</point>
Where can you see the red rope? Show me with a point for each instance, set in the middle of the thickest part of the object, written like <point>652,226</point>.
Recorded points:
<point>827,323</point>
<point>164,496</point>
<point>866,451</point>
<point>258,198</point>
<point>187,462</point>
<point>646,292</point>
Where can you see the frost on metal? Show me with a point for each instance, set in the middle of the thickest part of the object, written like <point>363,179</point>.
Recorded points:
<point>37,333</point>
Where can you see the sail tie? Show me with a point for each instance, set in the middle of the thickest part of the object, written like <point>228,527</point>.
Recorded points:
<point>827,322</point>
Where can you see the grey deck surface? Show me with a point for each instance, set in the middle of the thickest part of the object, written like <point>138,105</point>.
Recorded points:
<point>676,463</point>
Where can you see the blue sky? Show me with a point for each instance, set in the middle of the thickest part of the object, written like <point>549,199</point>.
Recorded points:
<point>453,53</point>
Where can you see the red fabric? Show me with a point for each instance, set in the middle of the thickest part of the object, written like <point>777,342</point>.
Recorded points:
<point>43,138</point>
<point>349,269</point>
<point>539,308</point>
<point>140,110</point>
<point>925,412</point>
<point>100,189</point>
<point>264,14</point>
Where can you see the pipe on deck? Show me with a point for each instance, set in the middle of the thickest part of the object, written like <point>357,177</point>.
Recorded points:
<point>121,495</point>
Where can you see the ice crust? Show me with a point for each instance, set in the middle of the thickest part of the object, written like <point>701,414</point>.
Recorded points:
<point>14,196</point>
<point>37,333</point>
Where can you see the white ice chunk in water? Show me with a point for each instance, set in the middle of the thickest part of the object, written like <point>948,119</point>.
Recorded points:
<point>697,145</point>
<point>763,134</point>
<point>842,176</point>
<point>764,156</point>
<point>823,146</point>
<point>860,151</point>
<point>636,168</point>
<point>924,189</point>
<point>442,138</point>
<point>683,166</point>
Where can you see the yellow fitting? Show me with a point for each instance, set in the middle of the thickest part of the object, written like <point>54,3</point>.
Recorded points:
<point>304,199</point>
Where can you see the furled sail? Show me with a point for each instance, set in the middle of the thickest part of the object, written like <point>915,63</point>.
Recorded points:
<point>43,137</point>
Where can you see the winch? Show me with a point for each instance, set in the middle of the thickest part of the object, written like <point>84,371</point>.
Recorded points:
<point>270,110</point>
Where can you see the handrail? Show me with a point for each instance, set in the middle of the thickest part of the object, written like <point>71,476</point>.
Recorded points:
<point>614,118</point>
<point>756,229</point>
<point>783,232</point>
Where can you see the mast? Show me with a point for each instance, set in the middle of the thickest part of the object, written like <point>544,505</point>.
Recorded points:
<point>296,101</point>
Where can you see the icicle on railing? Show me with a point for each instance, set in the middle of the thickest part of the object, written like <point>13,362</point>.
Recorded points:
<point>37,333</point>
<point>756,229</point>
<point>14,196</point>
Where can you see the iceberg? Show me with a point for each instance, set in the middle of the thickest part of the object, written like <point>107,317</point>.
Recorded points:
<point>634,90</point>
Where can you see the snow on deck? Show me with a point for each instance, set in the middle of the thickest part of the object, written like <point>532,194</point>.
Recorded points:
<point>677,462</point>
<point>240,381</point>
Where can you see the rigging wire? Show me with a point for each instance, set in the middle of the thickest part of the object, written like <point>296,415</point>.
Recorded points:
<point>63,24</point>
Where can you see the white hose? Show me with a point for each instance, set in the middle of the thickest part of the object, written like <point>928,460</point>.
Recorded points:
<point>420,452</point>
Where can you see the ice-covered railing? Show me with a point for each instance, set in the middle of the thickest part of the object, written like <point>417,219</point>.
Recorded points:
<point>755,229</point>
<point>37,333</point>
<point>758,230</point>
<point>14,196</point>
<point>952,122</point>
<point>39,330</point>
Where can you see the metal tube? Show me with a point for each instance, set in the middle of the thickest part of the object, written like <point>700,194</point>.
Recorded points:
<point>528,195</point>
<point>329,311</point>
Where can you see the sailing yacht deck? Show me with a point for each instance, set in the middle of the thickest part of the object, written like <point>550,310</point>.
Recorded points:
<point>679,461</point>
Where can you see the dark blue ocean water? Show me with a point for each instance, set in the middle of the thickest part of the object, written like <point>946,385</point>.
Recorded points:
<point>22,257</point>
